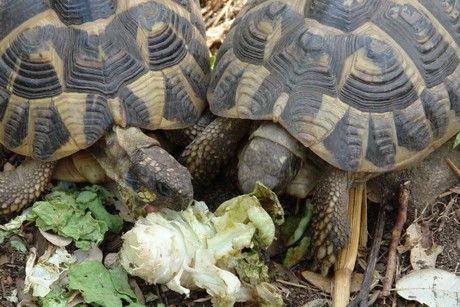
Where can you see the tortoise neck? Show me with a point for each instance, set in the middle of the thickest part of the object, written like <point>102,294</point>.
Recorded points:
<point>115,149</point>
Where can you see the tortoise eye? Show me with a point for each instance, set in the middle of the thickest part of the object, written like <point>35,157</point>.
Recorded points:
<point>163,189</point>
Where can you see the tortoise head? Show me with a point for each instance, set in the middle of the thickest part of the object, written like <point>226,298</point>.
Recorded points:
<point>145,173</point>
<point>155,178</point>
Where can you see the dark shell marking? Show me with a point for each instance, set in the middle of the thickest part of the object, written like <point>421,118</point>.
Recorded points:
<point>367,85</point>
<point>69,70</point>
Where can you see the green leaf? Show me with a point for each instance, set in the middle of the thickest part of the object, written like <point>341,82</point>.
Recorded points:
<point>54,213</point>
<point>100,191</point>
<point>457,140</point>
<point>84,229</point>
<point>91,201</point>
<point>54,299</point>
<point>19,245</point>
<point>251,268</point>
<point>76,214</point>
<point>298,253</point>
<point>2,236</point>
<point>86,199</point>
<point>95,283</point>
<point>120,281</point>
<point>296,225</point>
<point>212,61</point>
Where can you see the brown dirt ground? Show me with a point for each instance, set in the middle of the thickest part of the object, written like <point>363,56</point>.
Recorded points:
<point>442,219</point>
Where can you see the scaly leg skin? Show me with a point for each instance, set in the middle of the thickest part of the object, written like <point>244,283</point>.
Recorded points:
<point>204,156</point>
<point>183,137</point>
<point>21,186</point>
<point>330,222</point>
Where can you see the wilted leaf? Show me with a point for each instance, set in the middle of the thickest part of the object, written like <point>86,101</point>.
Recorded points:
<point>3,259</point>
<point>13,298</point>
<point>269,201</point>
<point>321,302</point>
<point>14,226</point>
<point>43,276</point>
<point>433,287</point>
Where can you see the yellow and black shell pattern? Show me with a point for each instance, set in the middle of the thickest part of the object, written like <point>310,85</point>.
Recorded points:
<point>70,70</point>
<point>368,85</point>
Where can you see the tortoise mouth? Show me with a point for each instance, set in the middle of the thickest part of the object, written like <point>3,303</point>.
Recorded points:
<point>138,207</point>
<point>149,208</point>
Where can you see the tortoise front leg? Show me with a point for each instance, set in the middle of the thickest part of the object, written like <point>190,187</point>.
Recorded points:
<point>330,219</point>
<point>212,148</point>
<point>21,186</point>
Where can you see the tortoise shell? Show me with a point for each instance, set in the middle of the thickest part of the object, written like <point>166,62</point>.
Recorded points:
<point>70,70</point>
<point>367,85</point>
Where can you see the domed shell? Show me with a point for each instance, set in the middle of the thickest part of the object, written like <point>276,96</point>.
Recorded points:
<point>70,70</point>
<point>367,85</point>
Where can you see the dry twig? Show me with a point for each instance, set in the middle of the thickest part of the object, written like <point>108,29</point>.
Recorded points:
<point>395,236</point>
<point>453,167</point>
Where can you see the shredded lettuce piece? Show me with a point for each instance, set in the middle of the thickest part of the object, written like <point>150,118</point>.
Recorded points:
<point>79,215</point>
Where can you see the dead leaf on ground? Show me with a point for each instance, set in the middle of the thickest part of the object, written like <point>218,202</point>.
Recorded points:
<point>423,250</point>
<point>433,287</point>
<point>325,283</point>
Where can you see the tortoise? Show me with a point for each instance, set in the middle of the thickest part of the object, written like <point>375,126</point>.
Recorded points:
<point>366,86</point>
<point>93,75</point>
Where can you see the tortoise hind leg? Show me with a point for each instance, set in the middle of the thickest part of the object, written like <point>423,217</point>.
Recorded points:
<point>330,222</point>
<point>21,186</point>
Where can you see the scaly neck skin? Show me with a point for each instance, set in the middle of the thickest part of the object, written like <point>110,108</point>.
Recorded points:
<point>145,173</point>
<point>112,156</point>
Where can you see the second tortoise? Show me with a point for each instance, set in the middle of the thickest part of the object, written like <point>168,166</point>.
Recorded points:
<point>367,86</point>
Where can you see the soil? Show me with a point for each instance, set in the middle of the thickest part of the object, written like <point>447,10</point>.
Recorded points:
<point>440,216</point>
